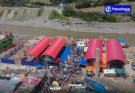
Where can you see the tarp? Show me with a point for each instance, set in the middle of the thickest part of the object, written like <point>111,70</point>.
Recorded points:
<point>31,63</point>
<point>114,51</point>
<point>65,53</point>
<point>39,47</point>
<point>122,40</point>
<point>95,85</point>
<point>89,68</point>
<point>91,52</point>
<point>55,47</point>
<point>7,61</point>
<point>104,61</point>
<point>83,61</point>
<point>7,86</point>
<point>120,71</point>
<point>33,81</point>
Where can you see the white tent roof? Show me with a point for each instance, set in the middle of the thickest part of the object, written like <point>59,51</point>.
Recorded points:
<point>2,37</point>
<point>81,44</point>
<point>85,49</point>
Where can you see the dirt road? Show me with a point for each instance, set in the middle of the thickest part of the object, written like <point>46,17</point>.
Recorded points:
<point>27,30</point>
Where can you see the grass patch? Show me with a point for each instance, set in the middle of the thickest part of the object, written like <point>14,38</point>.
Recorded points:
<point>55,15</point>
<point>1,13</point>
<point>15,13</point>
<point>40,11</point>
<point>8,12</point>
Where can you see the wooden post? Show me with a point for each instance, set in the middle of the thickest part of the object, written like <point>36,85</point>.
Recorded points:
<point>97,63</point>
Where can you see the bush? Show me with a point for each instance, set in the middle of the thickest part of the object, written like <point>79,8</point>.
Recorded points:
<point>55,15</point>
<point>55,1</point>
<point>112,1</point>
<point>69,11</point>
<point>40,11</point>
<point>90,16</point>
<point>1,13</point>
<point>130,0</point>
<point>87,3</point>
<point>133,17</point>
<point>14,2</point>
<point>37,3</point>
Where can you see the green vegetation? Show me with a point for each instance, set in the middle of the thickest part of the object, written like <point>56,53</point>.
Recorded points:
<point>55,1</point>
<point>1,13</point>
<point>61,1</point>
<point>94,3</point>
<point>55,15</point>
<point>15,13</point>
<point>87,3</point>
<point>133,17</point>
<point>130,0</point>
<point>40,11</point>
<point>111,1</point>
<point>14,2</point>
<point>133,5</point>
<point>90,16</point>
<point>8,12</point>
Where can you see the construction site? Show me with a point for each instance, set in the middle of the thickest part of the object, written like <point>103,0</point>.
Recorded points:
<point>32,64</point>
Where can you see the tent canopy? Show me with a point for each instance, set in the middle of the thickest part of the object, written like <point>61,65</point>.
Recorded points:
<point>65,53</point>
<point>39,47</point>
<point>55,47</point>
<point>91,52</point>
<point>114,51</point>
<point>83,61</point>
<point>122,40</point>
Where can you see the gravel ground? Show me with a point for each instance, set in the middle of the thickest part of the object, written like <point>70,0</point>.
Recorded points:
<point>76,25</point>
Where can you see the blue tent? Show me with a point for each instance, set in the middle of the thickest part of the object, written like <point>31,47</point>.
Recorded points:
<point>65,53</point>
<point>83,61</point>
<point>122,40</point>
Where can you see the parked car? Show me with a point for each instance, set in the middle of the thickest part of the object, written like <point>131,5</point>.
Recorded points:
<point>133,65</point>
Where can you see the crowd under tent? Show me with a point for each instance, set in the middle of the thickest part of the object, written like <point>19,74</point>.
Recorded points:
<point>53,50</point>
<point>115,55</point>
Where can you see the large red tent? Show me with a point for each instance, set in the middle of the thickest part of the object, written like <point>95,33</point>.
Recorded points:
<point>114,51</point>
<point>55,47</point>
<point>40,46</point>
<point>91,52</point>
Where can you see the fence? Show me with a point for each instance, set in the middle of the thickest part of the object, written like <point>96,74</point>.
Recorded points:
<point>28,63</point>
<point>8,61</point>
<point>95,85</point>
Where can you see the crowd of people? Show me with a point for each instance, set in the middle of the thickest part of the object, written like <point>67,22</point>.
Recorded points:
<point>63,71</point>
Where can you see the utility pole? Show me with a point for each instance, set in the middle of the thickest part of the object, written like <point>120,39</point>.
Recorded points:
<point>97,63</point>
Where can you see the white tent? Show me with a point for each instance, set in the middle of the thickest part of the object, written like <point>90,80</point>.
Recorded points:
<point>85,49</point>
<point>81,44</point>
<point>109,71</point>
